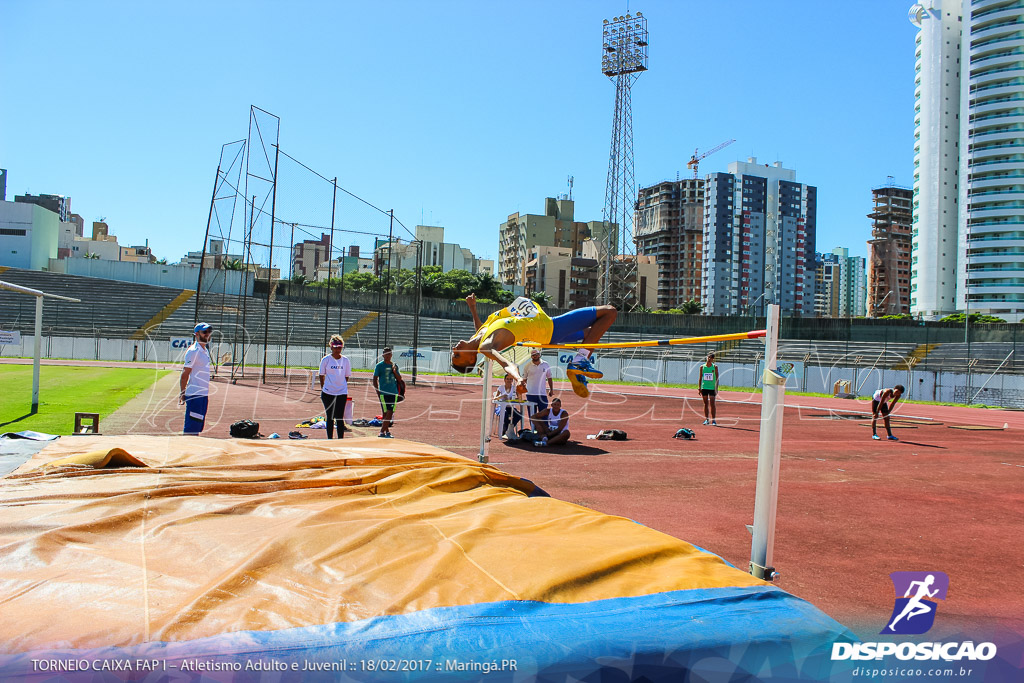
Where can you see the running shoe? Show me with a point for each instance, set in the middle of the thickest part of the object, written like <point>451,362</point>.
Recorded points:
<point>714,424</point>
<point>542,443</point>
<point>876,437</point>
<point>892,438</point>
<point>578,374</point>
<point>707,421</point>
<point>388,436</point>
<point>382,436</point>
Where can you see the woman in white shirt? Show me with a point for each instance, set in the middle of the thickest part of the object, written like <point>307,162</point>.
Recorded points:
<point>335,370</point>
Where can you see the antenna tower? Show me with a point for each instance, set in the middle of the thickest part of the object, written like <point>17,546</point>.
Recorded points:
<point>623,59</point>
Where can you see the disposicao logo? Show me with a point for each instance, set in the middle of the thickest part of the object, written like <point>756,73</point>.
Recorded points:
<point>914,612</point>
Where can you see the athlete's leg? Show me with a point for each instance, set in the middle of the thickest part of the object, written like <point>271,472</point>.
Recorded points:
<point>559,438</point>
<point>712,399</point>
<point>605,319</point>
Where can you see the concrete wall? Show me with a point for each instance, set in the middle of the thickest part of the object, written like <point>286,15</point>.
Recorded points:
<point>161,275</point>
<point>990,389</point>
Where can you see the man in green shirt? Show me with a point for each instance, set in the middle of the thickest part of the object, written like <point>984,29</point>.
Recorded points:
<point>385,381</point>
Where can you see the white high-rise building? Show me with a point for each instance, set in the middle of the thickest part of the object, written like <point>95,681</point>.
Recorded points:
<point>968,234</point>
<point>992,134</point>
<point>936,157</point>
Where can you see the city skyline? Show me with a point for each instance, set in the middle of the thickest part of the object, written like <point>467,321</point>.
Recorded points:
<point>463,114</point>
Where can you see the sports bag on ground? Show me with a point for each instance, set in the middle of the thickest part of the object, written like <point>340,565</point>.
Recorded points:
<point>245,429</point>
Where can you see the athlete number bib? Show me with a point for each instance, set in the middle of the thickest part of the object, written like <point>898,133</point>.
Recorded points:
<point>523,308</point>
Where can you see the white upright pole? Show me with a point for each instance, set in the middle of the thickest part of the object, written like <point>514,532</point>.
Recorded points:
<point>769,454</point>
<point>485,417</point>
<point>37,354</point>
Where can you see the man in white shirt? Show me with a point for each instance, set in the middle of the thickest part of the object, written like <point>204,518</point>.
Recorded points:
<point>535,373</point>
<point>195,380</point>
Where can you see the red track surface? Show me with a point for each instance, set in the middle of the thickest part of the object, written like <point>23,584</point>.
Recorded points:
<point>851,510</point>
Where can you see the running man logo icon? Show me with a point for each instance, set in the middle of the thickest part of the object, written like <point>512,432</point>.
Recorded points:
<point>916,592</point>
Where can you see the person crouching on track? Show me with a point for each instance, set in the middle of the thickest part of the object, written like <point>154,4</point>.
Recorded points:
<point>882,403</point>
<point>335,371</point>
<point>551,425</point>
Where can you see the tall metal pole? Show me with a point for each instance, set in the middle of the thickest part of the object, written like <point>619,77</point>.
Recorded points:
<point>387,292</point>
<point>623,59</point>
<point>37,350</point>
<point>206,239</point>
<point>419,303</point>
<point>247,252</point>
<point>485,417</point>
<point>270,257</point>
<point>330,257</point>
<point>769,455</point>
<point>288,303</point>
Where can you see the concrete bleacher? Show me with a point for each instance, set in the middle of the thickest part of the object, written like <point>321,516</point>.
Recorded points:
<point>108,307</point>
<point>122,310</point>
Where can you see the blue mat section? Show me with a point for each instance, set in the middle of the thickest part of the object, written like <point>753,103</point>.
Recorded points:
<point>722,634</point>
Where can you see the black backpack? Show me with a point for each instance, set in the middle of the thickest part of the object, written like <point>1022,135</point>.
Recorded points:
<point>611,434</point>
<point>684,433</point>
<point>245,429</point>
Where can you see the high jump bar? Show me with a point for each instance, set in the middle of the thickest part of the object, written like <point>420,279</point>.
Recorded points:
<point>753,334</point>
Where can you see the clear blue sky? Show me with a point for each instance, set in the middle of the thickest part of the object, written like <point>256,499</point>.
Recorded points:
<point>451,113</point>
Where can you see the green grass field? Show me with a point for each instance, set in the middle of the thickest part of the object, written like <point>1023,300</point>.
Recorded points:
<point>65,390</point>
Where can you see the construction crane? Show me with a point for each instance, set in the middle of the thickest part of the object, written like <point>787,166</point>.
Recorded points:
<point>695,159</point>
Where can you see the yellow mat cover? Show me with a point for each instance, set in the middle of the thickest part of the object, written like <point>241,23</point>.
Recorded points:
<point>212,536</point>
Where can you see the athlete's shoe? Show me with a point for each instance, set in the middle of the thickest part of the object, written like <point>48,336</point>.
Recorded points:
<point>707,421</point>
<point>876,437</point>
<point>542,443</point>
<point>578,374</point>
<point>714,424</point>
<point>892,438</point>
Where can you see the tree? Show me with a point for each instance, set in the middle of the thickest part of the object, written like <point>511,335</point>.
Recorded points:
<point>692,307</point>
<point>161,261</point>
<point>232,264</point>
<point>91,255</point>
<point>976,319</point>
<point>541,298</point>
<point>299,279</point>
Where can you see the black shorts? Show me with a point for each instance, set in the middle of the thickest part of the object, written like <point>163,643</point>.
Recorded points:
<point>387,401</point>
<point>708,392</point>
<point>879,408</point>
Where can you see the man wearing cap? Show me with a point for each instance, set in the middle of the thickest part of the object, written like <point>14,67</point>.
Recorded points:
<point>535,373</point>
<point>195,380</point>
<point>385,381</point>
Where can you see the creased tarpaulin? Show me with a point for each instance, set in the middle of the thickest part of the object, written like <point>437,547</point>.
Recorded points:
<point>184,546</point>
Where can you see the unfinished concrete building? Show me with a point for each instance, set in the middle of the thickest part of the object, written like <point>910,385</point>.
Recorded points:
<point>669,226</point>
<point>889,251</point>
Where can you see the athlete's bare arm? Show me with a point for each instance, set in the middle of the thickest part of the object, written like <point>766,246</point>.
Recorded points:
<point>491,348</point>
<point>471,302</point>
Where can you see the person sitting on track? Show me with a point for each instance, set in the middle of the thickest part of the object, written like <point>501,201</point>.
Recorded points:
<point>524,321</point>
<point>551,425</point>
<point>879,405</point>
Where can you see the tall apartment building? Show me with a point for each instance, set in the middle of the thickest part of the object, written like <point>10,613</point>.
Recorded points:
<point>434,251</point>
<point>991,266</point>
<point>759,239</point>
<point>889,251</point>
<point>840,285</point>
<point>569,279</point>
<point>307,255</point>
<point>557,227</point>
<point>936,157</point>
<point>669,226</point>
<point>57,203</point>
<point>968,241</point>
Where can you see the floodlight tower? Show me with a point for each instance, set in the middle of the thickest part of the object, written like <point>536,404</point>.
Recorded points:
<point>623,58</point>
